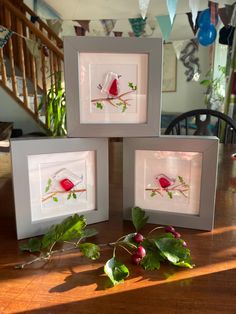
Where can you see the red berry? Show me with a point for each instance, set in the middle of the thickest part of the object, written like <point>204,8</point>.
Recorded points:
<point>138,238</point>
<point>141,252</point>
<point>170,229</point>
<point>136,259</point>
<point>177,235</point>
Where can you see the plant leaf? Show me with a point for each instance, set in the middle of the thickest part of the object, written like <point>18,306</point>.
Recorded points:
<point>69,229</point>
<point>172,249</point>
<point>74,195</point>
<point>116,271</point>
<point>138,217</point>
<point>90,250</point>
<point>33,245</point>
<point>55,199</point>
<point>99,105</point>
<point>170,194</point>
<point>151,261</point>
<point>153,194</point>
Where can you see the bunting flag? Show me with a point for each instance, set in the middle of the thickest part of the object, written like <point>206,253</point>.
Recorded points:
<point>214,12</point>
<point>165,26</point>
<point>34,18</point>
<point>84,24</point>
<point>143,6</point>
<point>190,19</point>
<point>118,34</point>
<point>138,25</point>
<point>5,34</point>
<point>178,47</point>
<point>55,25</point>
<point>79,31</point>
<point>108,26</point>
<point>171,6</point>
<point>34,47</point>
<point>226,14</point>
<point>194,6</point>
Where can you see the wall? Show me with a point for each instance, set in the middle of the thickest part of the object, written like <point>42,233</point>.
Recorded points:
<point>10,111</point>
<point>188,95</point>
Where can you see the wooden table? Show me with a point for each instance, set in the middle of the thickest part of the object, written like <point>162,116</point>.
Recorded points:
<point>70,283</point>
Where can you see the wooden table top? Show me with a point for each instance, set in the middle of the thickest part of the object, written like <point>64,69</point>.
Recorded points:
<point>70,283</point>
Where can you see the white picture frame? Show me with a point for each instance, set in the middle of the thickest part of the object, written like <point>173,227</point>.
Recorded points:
<point>113,86</point>
<point>57,177</point>
<point>172,178</point>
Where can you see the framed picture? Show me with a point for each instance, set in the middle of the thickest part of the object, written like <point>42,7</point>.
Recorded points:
<point>169,69</point>
<point>172,178</point>
<point>54,178</point>
<point>113,86</point>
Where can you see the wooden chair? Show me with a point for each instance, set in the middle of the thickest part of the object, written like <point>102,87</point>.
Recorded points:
<point>204,122</point>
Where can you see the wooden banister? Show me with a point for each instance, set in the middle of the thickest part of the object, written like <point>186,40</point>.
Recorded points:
<point>32,28</point>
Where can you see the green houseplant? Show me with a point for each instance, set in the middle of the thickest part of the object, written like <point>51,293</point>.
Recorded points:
<point>54,102</point>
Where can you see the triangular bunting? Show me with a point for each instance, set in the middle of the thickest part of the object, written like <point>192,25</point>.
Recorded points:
<point>79,31</point>
<point>84,24</point>
<point>117,34</point>
<point>143,6</point>
<point>5,34</point>
<point>194,6</point>
<point>226,14</point>
<point>33,47</point>
<point>108,25</point>
<point>190,19</point>
<point>138,25</point>
<point>165,26</point>
<point>171,6</point>
<point>55,25</point>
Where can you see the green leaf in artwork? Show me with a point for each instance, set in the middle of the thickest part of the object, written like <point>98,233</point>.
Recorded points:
<point>99,105</point>
<point>153,194</point>
<point>116,271</point>
<point>74,196</point>
<point>55,199</point>
<point>124,108</point>
<point>90,250</point>
<point>181,180</point>
<point>69,229</point>
<point>138,217</point>
<point>170,194</point>
<point>48,185</point>
<point>69,196</point>
<point>33,245</point>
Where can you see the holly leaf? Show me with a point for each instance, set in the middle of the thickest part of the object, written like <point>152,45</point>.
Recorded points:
<point>138,217</point>
<point>48,185</point>
<point>90,250</point>
<point>55,199</point>
<point>153,194</point>
<point>99,105</point>
<point>172,249</point>
<point>69,196</point>
<point>33,245</point>
<point>181,180</point>
<point>74,195</point>
<point>69,229</point>
<point>170,194</point>
<point>87,233</point>
<point>116,271</point>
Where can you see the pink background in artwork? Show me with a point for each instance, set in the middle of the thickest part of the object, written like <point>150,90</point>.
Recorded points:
<point>149,164</point>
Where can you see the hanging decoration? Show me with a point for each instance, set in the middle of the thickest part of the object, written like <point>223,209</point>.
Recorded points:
<point>34,18</point>
<point>226,14</point>
<point>171,6</point>
<point>138,26</point>
<point>178,46</point>
<point>5,34</point>
<point>207,31</point>
<point>84,24</point>
<point>108,26</point>
<point>143,6</point>
<point>79,31</point>
<point>194,6</point>
<point>118,34</point>
<point>213,12</point>
<point>34,47</point>
<point>55,25</point>
<point>190,61</point>
<point>165,26</point>
<point>194,27</point>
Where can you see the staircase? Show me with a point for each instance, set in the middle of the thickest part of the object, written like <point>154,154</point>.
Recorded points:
<point>26,78</point>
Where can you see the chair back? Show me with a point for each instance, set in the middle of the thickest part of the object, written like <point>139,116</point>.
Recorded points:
<point>205,122</point>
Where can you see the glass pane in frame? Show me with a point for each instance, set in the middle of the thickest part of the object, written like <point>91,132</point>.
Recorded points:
<point>113,87</point>
<point>61,184</point>
<point>168,181</point>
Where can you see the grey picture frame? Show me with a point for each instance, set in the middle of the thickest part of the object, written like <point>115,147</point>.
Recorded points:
<point>208,146</point>
<point>21,149</point>
<point>73,46</point>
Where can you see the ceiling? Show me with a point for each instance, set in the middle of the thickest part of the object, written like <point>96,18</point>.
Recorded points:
<point>121,10</point>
